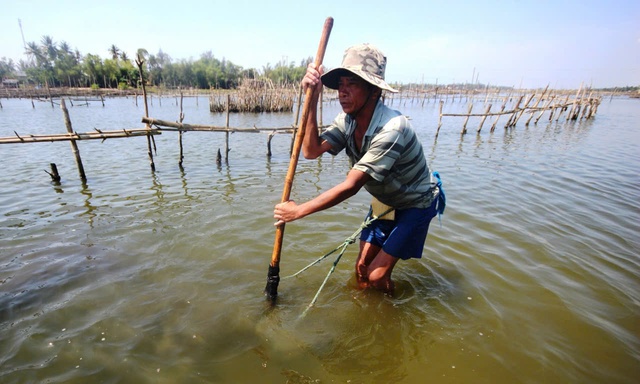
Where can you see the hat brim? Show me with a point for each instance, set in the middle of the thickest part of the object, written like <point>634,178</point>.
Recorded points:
<point>331,78</point>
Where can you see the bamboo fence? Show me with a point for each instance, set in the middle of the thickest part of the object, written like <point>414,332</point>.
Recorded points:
<point>572,106</point>
<point>581,106</point>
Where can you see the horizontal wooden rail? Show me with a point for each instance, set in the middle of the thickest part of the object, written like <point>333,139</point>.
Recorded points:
<point>98,134</point>
<point>165,125</point>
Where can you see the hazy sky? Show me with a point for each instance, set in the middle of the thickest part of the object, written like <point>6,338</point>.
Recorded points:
<point>515,43</point>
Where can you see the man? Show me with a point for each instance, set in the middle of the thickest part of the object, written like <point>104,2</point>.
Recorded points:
<point>386,159</point>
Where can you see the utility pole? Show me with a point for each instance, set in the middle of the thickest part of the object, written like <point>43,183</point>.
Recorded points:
<point>24,44</point>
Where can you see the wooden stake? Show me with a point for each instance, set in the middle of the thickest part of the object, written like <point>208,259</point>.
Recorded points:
<point>295,124</point>
<point>546,106</point>
<point>180,133</point>
<point>511,120</point>
<point>495,122</point>
<point>55,176</point>
<point>440,119</point>
<point>526,104</point>
<point>139,62</point>
<point>486,113</point>
<point>74,146</point>
<point>226,135</point>
<point>563,107</point>
<point>464,126</point>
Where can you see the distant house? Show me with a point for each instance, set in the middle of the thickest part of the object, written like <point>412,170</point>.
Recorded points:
<point>10,83</point>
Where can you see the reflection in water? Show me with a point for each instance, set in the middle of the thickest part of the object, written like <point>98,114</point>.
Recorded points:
<point>228,187</point>
<point>183,179</point>
<point>90,212</point>
<point>268,167</point>
<point>316,172</point>
<point>157,190</point>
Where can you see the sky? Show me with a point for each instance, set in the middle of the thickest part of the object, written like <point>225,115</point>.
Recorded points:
<point>528,44</point>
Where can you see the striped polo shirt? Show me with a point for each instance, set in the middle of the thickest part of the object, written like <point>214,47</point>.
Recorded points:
<point>391,154</point>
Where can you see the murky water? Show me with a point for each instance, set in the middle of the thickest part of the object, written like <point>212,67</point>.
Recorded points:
<point>140,277</point>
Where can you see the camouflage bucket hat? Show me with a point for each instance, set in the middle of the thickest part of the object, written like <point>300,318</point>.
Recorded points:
<point>365,61</point>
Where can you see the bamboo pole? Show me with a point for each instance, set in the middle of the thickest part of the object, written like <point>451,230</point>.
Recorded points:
<point>575,102</point>
<point>495,122</point>
<point>226,135</point>
<point>439,119</point>
<point>295,124</point>
<point>180,133</point>
<point>563,107</point>
<point>464,126</point>
<point>526,104</point>
<point>74,146</point>
<point>536,104</point>
<point>511,120</point>
<point>139,62</point>
<point>546,106</point>
<point>484,117</point>
<point>586,105</point>
<point>102,135</point>
<point>175,126</point>
<point>273,275</point>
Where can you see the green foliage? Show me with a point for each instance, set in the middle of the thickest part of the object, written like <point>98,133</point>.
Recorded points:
<point>95,86</point>
<point>55,64</point>
<point>7,68</point>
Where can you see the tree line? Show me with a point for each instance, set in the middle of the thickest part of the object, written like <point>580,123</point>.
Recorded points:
<point>54,64</point>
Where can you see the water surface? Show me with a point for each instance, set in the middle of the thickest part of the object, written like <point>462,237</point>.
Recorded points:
<point>157,277</point>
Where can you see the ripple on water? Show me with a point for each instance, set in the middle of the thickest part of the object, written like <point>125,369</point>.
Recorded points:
<point>138,276</point>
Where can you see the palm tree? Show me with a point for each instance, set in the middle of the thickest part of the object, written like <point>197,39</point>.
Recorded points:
<point>34,53</point>
<point>114,51</point>
<point>49,47</point>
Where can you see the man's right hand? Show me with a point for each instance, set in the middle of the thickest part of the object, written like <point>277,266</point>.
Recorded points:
<point>312,79</point>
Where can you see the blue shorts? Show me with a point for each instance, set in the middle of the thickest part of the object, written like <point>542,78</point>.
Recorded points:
<point>403,237</point>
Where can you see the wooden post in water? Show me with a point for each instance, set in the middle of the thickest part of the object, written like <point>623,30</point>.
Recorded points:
<point>526,104</point>
<point>74,145</point>
<point>180,133</point>
<point>295,124</point>
<point>495,122</point>
<point>440,118</point>
<point>46,84</point>
<point>139,62</point>
<point>511,120</point>
<point>546,106</point>
<point>586,104</point>
<point>574,106</point>
<point>226,134</point>
<point>269,137</point>
<point>464,126</point>
<point>55,176</point>
<point>484,117</point>
<point>563,107</point>
<point>535,106</point>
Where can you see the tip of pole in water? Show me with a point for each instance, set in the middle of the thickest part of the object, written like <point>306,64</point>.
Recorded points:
<point>273,279</point>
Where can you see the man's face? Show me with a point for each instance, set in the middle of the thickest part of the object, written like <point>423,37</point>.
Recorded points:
<point>353,93</point>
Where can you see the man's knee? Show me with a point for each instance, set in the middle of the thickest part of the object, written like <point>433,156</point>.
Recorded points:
<point>379,279</point>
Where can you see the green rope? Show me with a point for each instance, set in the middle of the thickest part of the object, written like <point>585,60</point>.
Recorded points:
<point>342,247</point>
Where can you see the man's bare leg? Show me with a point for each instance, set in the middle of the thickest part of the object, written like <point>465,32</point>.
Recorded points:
<point>367,253</point>
<point>380,272</point>
<point>374,267</point>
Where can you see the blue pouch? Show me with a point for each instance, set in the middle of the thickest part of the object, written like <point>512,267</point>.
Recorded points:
<point>441,201</point>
